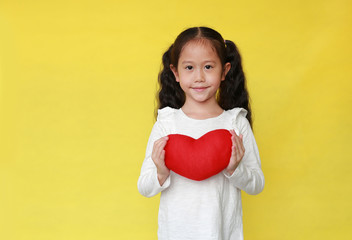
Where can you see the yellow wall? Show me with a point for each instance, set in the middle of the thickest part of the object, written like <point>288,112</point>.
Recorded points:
<point>77,85</point>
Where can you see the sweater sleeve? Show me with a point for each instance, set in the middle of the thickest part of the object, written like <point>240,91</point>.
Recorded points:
<point>148,184</point>
<point>248,176</point>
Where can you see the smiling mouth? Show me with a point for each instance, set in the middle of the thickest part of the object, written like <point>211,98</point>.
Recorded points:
<point>199,89</point>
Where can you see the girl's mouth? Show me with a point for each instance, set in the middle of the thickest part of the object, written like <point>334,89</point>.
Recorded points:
<point>199,89</point>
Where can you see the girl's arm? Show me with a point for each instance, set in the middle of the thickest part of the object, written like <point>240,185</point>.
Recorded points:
<point>248,175</point>
<point>148,182</point>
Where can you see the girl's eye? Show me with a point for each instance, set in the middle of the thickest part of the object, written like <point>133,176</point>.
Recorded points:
<point>189,67</point>
<point>208,66</point>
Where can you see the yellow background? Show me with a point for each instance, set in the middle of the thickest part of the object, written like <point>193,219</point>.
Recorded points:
<point>78,80</point>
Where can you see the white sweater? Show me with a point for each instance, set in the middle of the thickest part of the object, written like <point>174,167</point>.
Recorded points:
<point>208,209</point>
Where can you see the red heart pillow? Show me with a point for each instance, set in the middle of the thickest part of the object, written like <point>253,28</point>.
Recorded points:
<point>201,158</point>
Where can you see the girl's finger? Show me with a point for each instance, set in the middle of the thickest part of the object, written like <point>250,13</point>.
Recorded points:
<point>239,156</point>
<point>239,147</point>
<point>234,132</point>
<point>157,145</point>
<point>161,142</point>
<point>161,150</point>
<point>232,151</point>
<point>242,145</point>
<point>162,145</point>
<point>235,138</point>
<point>162,155</point>
<point>238,143</point>
<point>235,150</point>
<point>157,150</point>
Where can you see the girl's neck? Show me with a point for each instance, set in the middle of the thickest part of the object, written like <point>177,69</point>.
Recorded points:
<point>202,111</point>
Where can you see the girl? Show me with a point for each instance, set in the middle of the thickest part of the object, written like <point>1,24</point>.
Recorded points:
<point>202,88</point>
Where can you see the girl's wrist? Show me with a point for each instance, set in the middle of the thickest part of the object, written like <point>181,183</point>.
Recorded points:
<point>231,170</point>
<point>162,178</point>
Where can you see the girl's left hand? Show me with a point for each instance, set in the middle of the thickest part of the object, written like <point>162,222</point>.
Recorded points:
<point>237,152</point>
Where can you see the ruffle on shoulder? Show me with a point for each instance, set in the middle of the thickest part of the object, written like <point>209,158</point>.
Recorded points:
<point>166,120</point>
<point>165,113</point>
<point>236,114</point>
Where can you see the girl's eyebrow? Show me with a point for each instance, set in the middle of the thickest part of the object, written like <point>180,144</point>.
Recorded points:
<point>186,62</point>
<point>206,61</point>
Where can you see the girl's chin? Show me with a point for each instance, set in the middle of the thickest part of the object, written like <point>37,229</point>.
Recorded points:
<point>202,99</point>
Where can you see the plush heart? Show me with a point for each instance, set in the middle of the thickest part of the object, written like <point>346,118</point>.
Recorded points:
<point>198,159</point>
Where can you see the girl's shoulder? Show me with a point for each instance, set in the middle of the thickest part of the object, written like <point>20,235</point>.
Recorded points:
<point>237,116</point>
<point>237,112</point>
<point>166,113</point>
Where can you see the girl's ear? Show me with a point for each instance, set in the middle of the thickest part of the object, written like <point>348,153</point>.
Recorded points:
<point>174,70</point>
<point>227,68</point>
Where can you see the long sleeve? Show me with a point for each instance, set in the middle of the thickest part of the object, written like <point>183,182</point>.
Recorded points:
<point>248,176</point>
<point>148,184</point>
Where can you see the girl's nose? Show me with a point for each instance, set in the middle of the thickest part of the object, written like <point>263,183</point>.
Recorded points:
<point>199,76</point>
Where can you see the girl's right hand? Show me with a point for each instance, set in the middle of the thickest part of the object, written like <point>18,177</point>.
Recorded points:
<point>158,157</point>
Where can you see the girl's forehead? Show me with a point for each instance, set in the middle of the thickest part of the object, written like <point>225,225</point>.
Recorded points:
<point>202,42</point>
<point>198,43</point>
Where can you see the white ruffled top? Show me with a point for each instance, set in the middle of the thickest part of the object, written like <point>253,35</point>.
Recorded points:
<point>209,209</point>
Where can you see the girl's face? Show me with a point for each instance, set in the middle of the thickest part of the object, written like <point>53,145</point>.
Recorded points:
<point>200,71</point>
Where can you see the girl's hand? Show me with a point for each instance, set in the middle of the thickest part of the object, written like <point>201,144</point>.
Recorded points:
<point>158,157</point>
<point>237,152</point>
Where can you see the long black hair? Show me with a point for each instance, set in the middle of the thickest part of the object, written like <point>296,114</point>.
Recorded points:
<point>232,91</point>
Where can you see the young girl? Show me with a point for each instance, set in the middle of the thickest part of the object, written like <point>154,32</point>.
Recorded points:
<point>202,88</point>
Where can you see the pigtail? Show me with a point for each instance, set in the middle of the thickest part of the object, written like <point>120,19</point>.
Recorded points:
<point>170,93</point>
<point>233,90</point>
